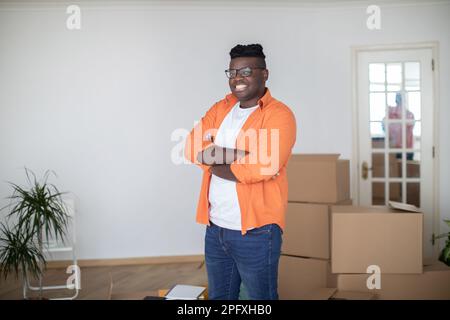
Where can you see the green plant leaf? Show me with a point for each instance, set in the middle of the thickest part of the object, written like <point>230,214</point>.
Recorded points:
<point>38,211</point>
<point>446,255</point>
<point>18,253</point>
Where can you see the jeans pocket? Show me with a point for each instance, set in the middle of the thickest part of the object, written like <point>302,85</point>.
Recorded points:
<point>267,229</point>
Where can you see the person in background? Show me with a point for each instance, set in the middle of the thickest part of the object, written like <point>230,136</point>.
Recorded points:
<point>395,129</point>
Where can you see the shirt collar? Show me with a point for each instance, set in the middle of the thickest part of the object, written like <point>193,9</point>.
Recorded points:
<point>264,101</point>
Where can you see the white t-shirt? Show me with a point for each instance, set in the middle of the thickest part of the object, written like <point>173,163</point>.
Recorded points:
<point>224,208</point>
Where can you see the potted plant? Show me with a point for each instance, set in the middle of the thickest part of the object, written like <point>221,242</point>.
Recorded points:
<point>445,253</point>
<point>19,254</point>
<point>37,211</point>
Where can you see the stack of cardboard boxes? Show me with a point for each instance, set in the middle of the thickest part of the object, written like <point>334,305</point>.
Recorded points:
<point>380,250</point>
<point>328,244</point>
<point>316,182</point>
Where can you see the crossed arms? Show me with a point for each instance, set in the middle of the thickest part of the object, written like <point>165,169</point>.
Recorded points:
<point>237,164</point>
<point>219,160</point>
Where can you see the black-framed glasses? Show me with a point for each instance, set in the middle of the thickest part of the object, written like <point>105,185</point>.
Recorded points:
<point>243,72</point>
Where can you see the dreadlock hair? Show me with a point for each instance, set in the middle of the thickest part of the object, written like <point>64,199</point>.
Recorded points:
<point>250,50</point>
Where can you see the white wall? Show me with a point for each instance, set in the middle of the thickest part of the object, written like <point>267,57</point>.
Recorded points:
<point>99,105</point>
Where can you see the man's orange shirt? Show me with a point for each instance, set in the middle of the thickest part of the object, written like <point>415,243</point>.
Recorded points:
<point>268,135</point>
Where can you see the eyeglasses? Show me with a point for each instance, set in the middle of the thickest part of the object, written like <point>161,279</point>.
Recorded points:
<point>243,72</point>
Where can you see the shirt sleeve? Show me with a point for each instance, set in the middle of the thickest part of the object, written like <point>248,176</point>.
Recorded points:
<point>201,137</point>
<point>270,152</point>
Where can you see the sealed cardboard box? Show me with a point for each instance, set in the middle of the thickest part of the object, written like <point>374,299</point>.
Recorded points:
<point>318,178</point>
<point>381,236</point>
<point>433,284</point>
<point>307,231</point>
<point>298,277</point>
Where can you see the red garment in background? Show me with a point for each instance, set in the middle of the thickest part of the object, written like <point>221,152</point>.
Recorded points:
<point>395,129</point>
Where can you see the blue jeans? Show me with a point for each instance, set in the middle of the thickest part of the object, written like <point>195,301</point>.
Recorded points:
<point>252,259</point>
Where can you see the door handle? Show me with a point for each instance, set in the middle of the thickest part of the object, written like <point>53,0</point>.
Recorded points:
<point>365,170</point>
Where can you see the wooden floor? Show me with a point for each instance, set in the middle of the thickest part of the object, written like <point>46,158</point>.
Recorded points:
<point>95,281</point>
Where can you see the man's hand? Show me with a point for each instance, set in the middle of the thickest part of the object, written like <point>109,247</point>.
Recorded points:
<point>215,155</point>
<point>223,171</point>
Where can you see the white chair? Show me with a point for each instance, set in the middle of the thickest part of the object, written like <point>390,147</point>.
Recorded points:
<point>68,245</point>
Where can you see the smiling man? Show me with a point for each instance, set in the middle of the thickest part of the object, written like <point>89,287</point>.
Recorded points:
<point>243,144</point>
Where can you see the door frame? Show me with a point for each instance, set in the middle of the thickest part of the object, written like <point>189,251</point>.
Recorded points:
<point>356,168</point>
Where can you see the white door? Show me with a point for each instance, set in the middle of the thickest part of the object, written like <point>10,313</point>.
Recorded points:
<point>395,130</point>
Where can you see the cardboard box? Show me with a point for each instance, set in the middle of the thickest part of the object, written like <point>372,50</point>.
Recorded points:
<point>379,172</point>
<point>394,170</point>
<point>307,231</point>
<point>318,178</point>
<point>298,277</point>
<point>378,197</point>
<point>378,159</point>
<point>413,169</point>
<point>334,294</point>
<point>395,192</point>
<point>381,236</point>
<point>377,142</point>
<point>433,284</point>
<point>413,193</point>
